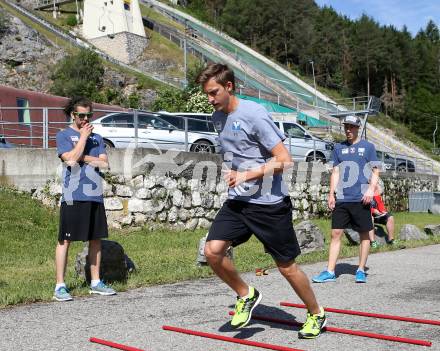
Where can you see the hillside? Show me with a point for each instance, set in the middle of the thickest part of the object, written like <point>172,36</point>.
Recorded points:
<point>353,57</point>
<point>28,55</point>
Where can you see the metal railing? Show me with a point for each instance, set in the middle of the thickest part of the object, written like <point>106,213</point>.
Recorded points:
<point>41,132</point>
<point>47,121</point>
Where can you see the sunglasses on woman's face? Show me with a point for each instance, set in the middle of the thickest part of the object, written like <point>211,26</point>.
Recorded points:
<point>82,115</point>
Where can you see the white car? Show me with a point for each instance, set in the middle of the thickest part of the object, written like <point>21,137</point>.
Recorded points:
<point>118,130</point>
<point>303,144</point>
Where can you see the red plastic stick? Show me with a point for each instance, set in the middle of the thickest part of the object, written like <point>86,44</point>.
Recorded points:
<point>367,314</point>
<point>347,331</point>
<point>114,345</point>
<point>229,339</point>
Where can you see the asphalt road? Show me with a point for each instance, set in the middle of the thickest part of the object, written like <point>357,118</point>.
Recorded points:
<point>405,283</point>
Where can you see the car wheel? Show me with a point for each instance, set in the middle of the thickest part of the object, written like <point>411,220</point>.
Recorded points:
<point>108,144</point>
<point>319,158</point>
<point>203,147</point>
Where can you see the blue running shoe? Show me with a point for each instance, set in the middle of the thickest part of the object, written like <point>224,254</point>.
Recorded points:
<point>324,277</point>
<point>102,289</point>
<point>361,277</point>
<point>62,294</point>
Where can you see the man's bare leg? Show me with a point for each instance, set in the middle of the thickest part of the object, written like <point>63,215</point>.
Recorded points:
<point>215,253</point>
<point>61,253</point>
<point>300,283</point>
<point>335,247</point>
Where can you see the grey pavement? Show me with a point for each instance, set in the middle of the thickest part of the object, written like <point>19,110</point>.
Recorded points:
<point>404,282</point>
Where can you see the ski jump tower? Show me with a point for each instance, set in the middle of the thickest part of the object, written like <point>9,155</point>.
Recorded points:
<point>115,27</point>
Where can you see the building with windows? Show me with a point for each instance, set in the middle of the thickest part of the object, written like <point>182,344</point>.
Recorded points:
<point>26,115</point>
<point>115,27</point>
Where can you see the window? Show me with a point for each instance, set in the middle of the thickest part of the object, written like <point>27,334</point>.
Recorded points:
<point>196,123</point>
<point>176,121</point>
<point>122,121</point>
<point>154,121</point>
<point>277,124</point>
<point>24,115</point>
<point>108,122</point>
<point>293,130</point>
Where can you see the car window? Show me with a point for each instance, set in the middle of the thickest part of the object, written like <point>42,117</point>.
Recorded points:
<point>107,122</point>
<point>205,126</point>
<point>293,130</point>
<point>176,121</point>
<point>202,118</point>
<point>277,124</point>
<point>122,121</point>
<point>197,125</point>
<point>154,121</point>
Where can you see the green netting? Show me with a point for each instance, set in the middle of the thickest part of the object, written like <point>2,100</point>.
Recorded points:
<point>269,105</point>
<point>260,66</point>
<point>311,121</point>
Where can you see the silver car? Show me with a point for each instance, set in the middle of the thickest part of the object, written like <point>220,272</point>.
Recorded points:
<point>303,144</point>
<point>118,130</point>
<point>200,123</point>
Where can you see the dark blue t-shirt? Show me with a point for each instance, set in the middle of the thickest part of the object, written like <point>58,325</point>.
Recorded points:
<point>355,162</point>
<point>80,182</point>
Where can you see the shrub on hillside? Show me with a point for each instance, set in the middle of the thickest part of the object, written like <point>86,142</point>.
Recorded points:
<point>79,74</point>
<point>71,21</point>
<point>198,102</point>
<point>171,100</point>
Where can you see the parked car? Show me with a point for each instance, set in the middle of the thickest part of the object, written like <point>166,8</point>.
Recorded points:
<point>303,144</point>
<point>197,122</point>
<point>117,130</point>
<point>399,164</point>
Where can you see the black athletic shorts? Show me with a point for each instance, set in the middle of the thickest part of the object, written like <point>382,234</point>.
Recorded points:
<point>272,225</point>
<point>82,221</point>
<point>354,215</point>
<point>382,219</point>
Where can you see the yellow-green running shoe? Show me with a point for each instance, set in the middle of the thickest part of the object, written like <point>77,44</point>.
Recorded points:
<point>313,325</point>
<point>244,307</point>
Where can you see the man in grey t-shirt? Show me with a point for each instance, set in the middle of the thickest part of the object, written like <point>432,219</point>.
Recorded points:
<point>258,204</point>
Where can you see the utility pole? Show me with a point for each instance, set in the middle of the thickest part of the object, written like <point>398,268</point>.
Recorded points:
<point>185,80</point>
<point>314,82</point>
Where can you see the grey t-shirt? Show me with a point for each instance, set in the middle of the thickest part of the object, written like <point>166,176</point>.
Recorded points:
<point>247,135</point>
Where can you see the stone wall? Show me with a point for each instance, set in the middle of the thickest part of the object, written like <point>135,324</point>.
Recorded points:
<point>185,190</point>
<point>125,46</point>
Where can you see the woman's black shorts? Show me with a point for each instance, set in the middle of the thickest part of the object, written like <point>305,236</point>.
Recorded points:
<point>82,221</point>
<point>272,225</point>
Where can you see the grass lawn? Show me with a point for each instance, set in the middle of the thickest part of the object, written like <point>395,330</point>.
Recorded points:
<point>28,233</point>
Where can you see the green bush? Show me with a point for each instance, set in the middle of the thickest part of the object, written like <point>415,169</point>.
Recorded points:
<point>79,74</point>
<point>171,100</point>
<point>198,102</point>
<point>71,21</point>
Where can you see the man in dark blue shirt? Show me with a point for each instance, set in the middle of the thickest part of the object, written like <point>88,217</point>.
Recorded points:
<point>82,212</point>
<point>354,178</point>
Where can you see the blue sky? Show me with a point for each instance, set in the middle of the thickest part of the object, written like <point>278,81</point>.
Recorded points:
<point>414,13</point>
